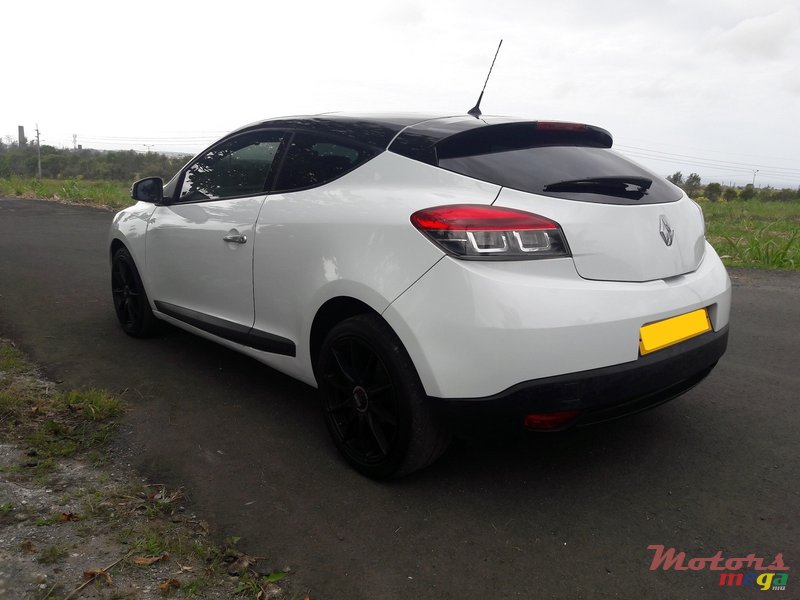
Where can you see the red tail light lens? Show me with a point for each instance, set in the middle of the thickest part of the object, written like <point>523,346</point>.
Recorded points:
<point>479,232</point>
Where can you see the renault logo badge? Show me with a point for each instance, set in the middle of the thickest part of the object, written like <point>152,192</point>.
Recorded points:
<point>667,232</point>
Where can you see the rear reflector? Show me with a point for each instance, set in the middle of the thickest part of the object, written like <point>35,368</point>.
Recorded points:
<point>550,421</point>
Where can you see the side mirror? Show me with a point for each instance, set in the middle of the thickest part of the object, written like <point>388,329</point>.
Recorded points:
<point>149,189</point>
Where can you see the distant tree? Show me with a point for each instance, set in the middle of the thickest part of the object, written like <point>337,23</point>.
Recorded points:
<point>778,195</point>
<point>713,191</point>
<point>60,163</point>
<point>765,193</point>
<point>748,193</point>
<point>692,184</point>
<point>676,178</point>
<point>730,194</point>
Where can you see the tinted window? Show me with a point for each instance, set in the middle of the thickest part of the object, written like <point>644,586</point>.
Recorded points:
<point>526,159</point>
<point>313,160</point>
<point>237,167</point>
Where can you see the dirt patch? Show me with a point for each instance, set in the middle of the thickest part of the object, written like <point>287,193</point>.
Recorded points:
<point>77,523</point>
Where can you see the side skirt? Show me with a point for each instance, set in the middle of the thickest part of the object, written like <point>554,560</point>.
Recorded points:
<point>246,336</point>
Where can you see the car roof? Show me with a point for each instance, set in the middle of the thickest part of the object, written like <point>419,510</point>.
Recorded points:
<point>381,129</point>
<point>412,135</point>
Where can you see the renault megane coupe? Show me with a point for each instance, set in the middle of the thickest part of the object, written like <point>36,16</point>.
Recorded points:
<point>419,269</point>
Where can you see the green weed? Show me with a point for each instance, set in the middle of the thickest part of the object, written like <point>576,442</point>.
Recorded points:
<point>254,586</point>
<point>152,543</point>
<point>52,554</point>
<point>46,521</point>
<point>763,249</point>
<point>12,361</point>
<point>194,588</point>
<point>764,235</point>
<point>90,405</point>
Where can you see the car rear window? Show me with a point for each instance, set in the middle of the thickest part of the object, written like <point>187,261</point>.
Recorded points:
<point>313,160</point>
<point>522,158</point>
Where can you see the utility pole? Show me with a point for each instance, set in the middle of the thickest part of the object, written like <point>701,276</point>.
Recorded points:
<point>38,153</point>
<point>754,177</point>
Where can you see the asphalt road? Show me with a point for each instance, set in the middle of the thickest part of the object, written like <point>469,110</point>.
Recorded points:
<point>548,516</point>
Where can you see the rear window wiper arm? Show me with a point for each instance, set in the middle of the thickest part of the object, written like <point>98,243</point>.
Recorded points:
<point>615,186</point>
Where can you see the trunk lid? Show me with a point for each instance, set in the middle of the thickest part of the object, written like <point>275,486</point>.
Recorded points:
<point>617,242</point>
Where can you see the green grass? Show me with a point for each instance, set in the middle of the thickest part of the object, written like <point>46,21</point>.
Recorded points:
<point>12,361</point>
<point>75,421</point>
<point>753,233</point>
<point>16,395</point>
<point>53,424</point>
<point>112,194</point>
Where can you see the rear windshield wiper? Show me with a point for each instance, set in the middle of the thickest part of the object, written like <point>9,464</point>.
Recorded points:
<point>625,187</point>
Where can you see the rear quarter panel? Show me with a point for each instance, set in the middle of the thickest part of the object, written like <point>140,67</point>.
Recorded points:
<point>352,237</point>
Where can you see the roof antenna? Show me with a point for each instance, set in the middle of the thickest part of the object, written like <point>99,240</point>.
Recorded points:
<point>475,111</point>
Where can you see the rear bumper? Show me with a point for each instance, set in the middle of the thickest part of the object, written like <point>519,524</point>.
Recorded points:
<point>475,329</point>
<point>598,394</point>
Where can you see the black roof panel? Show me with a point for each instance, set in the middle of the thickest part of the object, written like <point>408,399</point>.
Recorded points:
<point>408,134</point>
<point>376,130</point>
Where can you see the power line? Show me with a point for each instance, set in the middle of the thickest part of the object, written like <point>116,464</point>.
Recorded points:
<point>743,170</point>
<point>703,150</point>
<point>709,164</point>
<point>748,166</point>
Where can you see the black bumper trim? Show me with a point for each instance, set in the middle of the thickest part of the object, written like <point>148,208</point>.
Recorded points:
<point>598,394</point>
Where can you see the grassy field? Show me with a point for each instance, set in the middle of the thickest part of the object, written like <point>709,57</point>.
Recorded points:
<point>111,194</point>
<point>752,233</point>
<point>745,233</point>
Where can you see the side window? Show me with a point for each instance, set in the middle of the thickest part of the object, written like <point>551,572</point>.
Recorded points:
<point>314,159</point>
<point>237,167</point>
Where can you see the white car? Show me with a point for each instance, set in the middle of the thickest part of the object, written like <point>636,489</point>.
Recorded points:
<point>425,270</point>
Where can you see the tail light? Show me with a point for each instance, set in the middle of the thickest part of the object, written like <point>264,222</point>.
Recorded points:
<point>479,232</point>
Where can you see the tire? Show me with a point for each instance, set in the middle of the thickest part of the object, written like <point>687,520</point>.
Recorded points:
<point>130,299</point>
<point>373,402</point>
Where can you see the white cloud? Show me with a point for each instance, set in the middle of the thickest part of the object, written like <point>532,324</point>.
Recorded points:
<point>765,37</point>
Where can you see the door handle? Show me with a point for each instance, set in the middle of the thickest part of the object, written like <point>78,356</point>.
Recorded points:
<point>235,239</point>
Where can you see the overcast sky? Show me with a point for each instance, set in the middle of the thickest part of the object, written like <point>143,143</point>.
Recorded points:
<point>710,86</point>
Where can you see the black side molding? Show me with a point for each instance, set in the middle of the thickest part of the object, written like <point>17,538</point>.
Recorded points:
<point>241,334</point>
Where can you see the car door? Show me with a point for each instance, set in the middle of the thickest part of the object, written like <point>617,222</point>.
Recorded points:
<point>199,247</point>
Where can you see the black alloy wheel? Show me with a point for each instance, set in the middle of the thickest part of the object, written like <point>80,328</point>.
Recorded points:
<point>130,300</point>
<point>373,402</point>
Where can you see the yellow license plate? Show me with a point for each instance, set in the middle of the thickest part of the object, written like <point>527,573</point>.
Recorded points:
<point>668,332</point>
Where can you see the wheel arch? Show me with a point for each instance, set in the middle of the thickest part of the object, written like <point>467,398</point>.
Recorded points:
<point>115,245</point>
<point>331,313</point>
